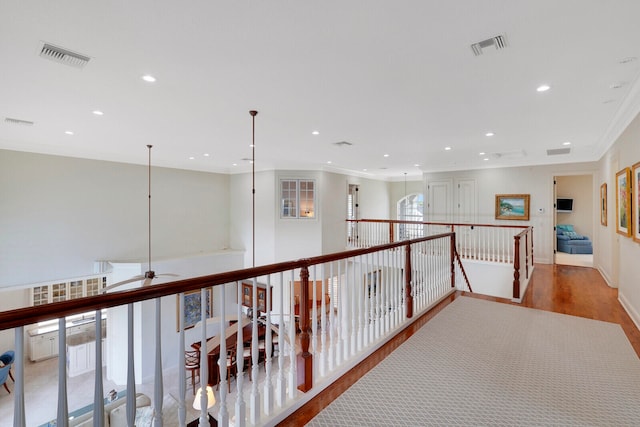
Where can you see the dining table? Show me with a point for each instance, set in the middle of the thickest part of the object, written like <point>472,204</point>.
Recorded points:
<point>231,338</point>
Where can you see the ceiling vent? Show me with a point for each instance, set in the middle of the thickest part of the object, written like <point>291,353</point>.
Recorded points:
<point>342,144</point>
<point>63,56</point>
<point>18,121</point>
<point>499,42</point>
<point>557,151</point>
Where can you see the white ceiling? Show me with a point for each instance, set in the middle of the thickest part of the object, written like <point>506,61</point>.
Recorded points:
<point>390,77</point>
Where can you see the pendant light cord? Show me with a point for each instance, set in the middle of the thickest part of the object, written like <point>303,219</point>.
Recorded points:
<point>149,206</point>
<point>253,185</point>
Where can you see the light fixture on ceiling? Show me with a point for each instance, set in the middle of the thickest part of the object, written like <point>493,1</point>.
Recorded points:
<point>543,88</point>
<point>98,113</point>
<point>485,159</point>
<point>566,143</point>
<point>482,153</point>
<point>329,162</point>
<point>206,154</point>
<point>68,132</point>
<point>385,155</point>
<point>148,78</point>
<point>416,165</point>
<point>315,132</point>
<point>253,114</point>
<point>489,134</point>
<point>191,158</point>
<point>447,148</point>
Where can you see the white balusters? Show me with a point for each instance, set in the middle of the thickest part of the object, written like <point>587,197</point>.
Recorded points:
<point>98,393</point>
<point>63,408</point>
<point>268,348</point>
<point>158,389</point>
<point>182,372</point>
<point>18,388</point>
<point>281,387</point>
<point>254,397</point>
<point>131,377</point>
<point>241,410</point>
<point>292,340</point>
<point>204,365</point>
<point>223,411</point>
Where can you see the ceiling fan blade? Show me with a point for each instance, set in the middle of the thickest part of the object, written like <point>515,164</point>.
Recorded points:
<point>124,282</point>
<point>147,281</point>
<point>169,274</point>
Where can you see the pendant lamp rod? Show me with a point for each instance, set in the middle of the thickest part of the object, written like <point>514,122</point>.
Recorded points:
<point>149,274</point>
<point>253,184</point>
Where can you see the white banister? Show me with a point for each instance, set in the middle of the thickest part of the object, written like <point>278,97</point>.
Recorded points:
<point>98,393</point>
<point>241,408</point>
<point>18,400</point>
<point>223,411</point>
<point>63,408</point>
<point>182,371</point>
<point>131,376</point>
<point>268,349</point>
<point>158,386</point>
<point>204,363</point>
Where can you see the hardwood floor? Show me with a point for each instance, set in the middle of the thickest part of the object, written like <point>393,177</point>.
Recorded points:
<point>577,291</point>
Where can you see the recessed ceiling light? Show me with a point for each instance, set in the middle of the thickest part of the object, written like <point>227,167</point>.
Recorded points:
<point>206,154</point>
<point>148,78</point>
<point>489,134</point>
<point>251,145</point>
<point>481,153</point>
<point>364,170</point>
<point>191,158</point>
<point>68,132</point>
<point>485,159</point>
<point>447,148</point>
<point>543,88</point>
<point>566,143</point>
<point>98,113</point>
<point>417,165</point>
<point>329,161</point>
<point>234,164</point>
<point>315,132</point>
<point>250,161</point>
<point>386,155</point>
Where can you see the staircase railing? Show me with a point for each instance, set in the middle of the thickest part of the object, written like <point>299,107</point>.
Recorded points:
<point>357,300</point>
<point>495,243</point>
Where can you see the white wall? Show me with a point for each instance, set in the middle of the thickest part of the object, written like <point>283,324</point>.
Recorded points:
<point>621,268</point>
<point>61,214</point>
<point>537,181</point>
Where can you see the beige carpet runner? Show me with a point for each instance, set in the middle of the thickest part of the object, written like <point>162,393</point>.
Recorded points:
<point>480,363</point>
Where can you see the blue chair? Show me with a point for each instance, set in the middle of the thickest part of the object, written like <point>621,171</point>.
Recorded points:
<point>4,373</point>
<point>7,359</point>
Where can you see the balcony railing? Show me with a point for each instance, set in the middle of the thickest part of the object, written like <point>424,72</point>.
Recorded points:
<point>495,243</point>
<point>356,301</point>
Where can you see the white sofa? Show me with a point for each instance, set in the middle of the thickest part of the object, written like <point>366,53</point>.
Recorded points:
<point>115,413</point>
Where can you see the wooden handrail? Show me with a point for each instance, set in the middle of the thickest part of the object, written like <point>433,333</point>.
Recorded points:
<point>29,315</point>
<point>455,224</point>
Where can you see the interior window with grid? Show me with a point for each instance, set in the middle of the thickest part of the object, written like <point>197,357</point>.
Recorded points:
<point>297,198</point>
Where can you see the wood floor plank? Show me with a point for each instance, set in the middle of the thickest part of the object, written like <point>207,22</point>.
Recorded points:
<point>577,291</point>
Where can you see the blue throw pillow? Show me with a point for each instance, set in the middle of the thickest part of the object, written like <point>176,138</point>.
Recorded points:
<point>565,227</point>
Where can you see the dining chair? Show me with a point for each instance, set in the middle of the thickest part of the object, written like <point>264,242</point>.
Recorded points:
<point>192,364</point>
<point>232,368</point>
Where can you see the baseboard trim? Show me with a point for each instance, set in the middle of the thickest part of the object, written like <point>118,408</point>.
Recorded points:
<point>635,316</point>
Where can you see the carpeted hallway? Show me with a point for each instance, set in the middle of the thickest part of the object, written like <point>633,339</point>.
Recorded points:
<point>484,363</point>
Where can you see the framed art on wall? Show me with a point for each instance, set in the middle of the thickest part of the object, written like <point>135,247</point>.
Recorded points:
<point>512,206</point>
<point>635,205</point>
<point>193,308</point>
<point>603,204</point>
<point>623,202</point>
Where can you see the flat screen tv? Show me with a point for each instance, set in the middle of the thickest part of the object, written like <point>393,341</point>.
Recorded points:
<point>564,205</point>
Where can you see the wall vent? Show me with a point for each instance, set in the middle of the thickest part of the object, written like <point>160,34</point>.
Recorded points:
<point>556,151</point>
<point>342,144</point>
<point>18,121</point>
<point>499,42</point>
<point>63,56</point>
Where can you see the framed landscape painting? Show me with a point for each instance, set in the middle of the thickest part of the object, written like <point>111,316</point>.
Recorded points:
<point>512,206</point>
<point>623,202</point>
<point>635,206</point>
<point>603,204</point>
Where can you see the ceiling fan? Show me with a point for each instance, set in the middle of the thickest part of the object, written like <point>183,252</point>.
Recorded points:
<point>149,275</point>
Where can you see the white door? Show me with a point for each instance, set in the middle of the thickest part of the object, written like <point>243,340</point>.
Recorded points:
<point>467,206</point>
<point>439,208</point>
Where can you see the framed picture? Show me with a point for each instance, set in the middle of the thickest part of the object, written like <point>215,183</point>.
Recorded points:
<point>371,281</point>
<point>623,202</point>
<point>603,204</point>
<point>512,206</point>
<point>635,205</point>
<point>192,308</point>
